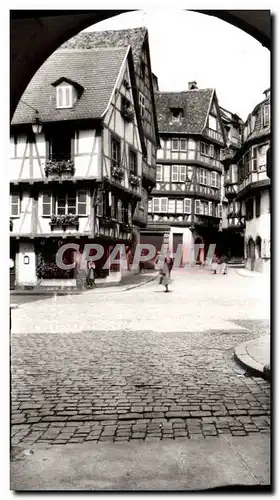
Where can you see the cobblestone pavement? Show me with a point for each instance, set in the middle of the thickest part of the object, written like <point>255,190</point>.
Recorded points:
<point>140,364</point>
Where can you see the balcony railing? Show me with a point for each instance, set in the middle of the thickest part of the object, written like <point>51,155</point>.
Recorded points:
<point>207,220</point>
<point>64,221</point>
<point>59,168</point>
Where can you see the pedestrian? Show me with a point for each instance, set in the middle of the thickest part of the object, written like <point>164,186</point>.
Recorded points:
<point>165,274</point>
<point>224,264</point>
<point>91,275</point>
<point>215,264</point>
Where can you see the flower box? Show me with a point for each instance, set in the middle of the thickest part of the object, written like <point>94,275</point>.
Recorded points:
<point>64,220</point>
<point>107,222</point>
<point>59,168</point>
<point>117,173</point>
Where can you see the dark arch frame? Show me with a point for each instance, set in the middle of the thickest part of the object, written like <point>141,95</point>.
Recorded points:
<point>35,35</point>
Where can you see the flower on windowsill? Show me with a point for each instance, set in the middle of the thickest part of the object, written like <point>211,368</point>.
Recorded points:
<point>64,220</point>
<point>117,173</point>
<point>59,167</point>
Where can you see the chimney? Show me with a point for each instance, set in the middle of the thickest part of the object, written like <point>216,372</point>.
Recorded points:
<point>192,86</point>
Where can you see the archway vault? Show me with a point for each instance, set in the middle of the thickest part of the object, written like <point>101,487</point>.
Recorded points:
<point>35,35</point>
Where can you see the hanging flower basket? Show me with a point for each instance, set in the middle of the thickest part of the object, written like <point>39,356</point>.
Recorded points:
<point>53,167</point>
<point>64,220</point>
<point>134,180</point>
<point>127,114</point>
<point>107,221</point>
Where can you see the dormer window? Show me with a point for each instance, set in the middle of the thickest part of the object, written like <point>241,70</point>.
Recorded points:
<point>266,115</point>
<point>64,96</point>
<point>67,93</point>
<point>177,114</point>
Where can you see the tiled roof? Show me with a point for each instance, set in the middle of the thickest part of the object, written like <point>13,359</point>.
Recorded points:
<point>195,105</point>
<point>110,38</point>
<point>96,71</point>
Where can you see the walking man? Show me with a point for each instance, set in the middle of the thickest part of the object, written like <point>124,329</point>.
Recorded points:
<point>224,263</point>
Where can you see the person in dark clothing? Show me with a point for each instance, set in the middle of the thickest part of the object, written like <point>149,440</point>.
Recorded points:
<point>91,275</point>
<point>224,263</point>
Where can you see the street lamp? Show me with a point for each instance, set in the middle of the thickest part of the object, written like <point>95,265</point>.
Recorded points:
<point>36,125</point>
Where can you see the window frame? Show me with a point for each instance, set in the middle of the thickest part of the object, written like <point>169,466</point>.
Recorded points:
<point>172,147</point>
<point>186,145</point>
<point>159,170</point>
<point>216,183</point>
<point>142,104</point>
<point>160,201</point>
<point>53,203</point>
<point>63,90</point>
<point>203,175</point>
<point>133,154</point>
<point>187,211</point>
<point>197,203</point>
<point>115,163</point>
<point>17,204</point>
<point>258,203</point>
<point>266,115</point>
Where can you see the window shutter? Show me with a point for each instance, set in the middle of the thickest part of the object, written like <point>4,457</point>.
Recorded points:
<point>182,173</point>
<point>179,206</point>
<point>197,208</point>
<point>187,205</point>
<point>82,203</point>
<point>164,204</point>
<point>171,206</point>
<point>149,205</point>
<point>175,172</point>
<point>47,204</point>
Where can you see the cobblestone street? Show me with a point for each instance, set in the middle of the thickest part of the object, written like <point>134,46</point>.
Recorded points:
<point>140,364</point>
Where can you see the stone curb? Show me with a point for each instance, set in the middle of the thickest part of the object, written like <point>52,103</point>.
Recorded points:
<point>257,369</point>
<point>252,274</point>
<point>152,278</point>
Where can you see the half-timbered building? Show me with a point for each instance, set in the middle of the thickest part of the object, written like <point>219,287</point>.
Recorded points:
<point>77,145</point>
<point>233,228</point>
<point>248,169</point>
<point>186,205</point>
<point>146,84</point>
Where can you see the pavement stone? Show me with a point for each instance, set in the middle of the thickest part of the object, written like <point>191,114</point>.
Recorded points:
<point>140,365</point>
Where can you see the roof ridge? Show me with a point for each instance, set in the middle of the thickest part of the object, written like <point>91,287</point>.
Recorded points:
<point>92,49</point>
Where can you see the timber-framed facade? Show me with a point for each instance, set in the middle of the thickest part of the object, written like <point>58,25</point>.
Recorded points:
<point>80,179</point>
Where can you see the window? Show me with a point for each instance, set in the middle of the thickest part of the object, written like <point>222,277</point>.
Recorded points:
<point>210,208</point>
<point>171,206</point>
<point>182,171</point>
<point>254,159</point>
<point>220,210</point>
<point>150,206</point>
<point>211,151</point>
<point>204,149</point>
<point>177,114</point>
<point>116,153</point>
<point>159,173</point>
<point>212,122</point>
<point>214,179</point>
<point>142,103</point>
<point>65,204</point>
<point>175,145</point>
<point>206,208</point>
<point>266,115</point>
<point>175,173</point>
<point>178,173</point>
<point>203,176</point>
<point>246,163</point>
<point>64,96</point>
<point>160,204</point>
<point>258,206</point>
<point>133,162</point>
<point>183,144</point>
<point>48,208</point>
<point>15,204</point>
<point>179,206</point>
<point>197,207</point>
<point>187,206</point>
<point>249,209</point>
<point>82,203</point>
<point>61,145</point>
<point>262,155</point>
